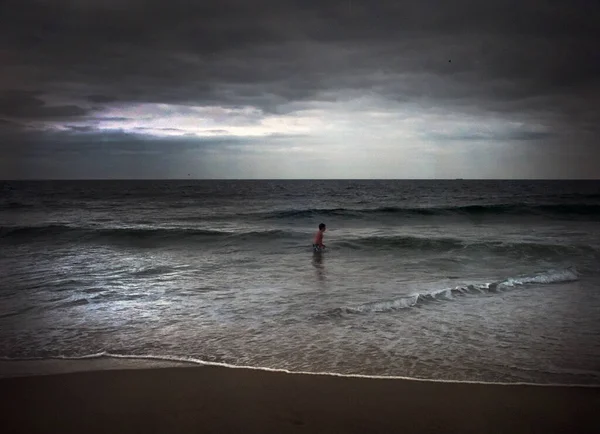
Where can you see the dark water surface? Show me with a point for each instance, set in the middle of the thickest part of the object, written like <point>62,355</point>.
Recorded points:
<point>467,280</point>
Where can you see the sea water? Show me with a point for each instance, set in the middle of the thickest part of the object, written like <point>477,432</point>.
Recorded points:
<point>457,280</point>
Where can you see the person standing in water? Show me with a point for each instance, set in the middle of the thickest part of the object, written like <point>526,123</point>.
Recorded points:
<point>318,245</point>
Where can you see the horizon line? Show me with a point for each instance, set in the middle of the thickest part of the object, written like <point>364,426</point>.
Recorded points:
<point>295,179</point>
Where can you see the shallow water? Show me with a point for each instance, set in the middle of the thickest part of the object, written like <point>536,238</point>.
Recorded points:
<point>493,281</point>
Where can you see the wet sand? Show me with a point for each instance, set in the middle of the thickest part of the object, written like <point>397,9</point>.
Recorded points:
<point>231,400</point>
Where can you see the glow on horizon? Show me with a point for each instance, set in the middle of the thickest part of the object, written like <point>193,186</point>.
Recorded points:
<point>355,120</point>
<point>167,120</point>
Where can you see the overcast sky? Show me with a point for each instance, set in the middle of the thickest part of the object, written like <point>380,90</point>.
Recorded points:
<point>299,89</point>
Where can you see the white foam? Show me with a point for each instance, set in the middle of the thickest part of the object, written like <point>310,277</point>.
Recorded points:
<point>286,371</point>
<point>567,275</point>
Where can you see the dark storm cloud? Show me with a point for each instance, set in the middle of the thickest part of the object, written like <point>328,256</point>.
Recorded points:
<point>25,104</point>
<point>101,98</point>
<point>533,60</point>
<point>269,52</point>
<point>8,124</point>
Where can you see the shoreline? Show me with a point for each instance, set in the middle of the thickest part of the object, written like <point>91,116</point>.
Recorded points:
<point>221,400</point>
<point>11,368</point>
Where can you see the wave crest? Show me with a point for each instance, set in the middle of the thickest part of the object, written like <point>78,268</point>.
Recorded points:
<point>445,294</point>
<point>467,210</point>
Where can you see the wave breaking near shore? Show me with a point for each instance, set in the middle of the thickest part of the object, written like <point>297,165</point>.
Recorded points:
<point>447,294</point>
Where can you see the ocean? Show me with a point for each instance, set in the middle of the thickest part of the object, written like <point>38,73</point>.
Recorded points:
<point>456,280</point>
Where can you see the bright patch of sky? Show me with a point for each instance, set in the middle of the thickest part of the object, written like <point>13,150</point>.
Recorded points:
<point>355,121</point>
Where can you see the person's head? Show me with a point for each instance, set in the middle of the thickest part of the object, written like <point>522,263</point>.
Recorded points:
<point>322,227</point>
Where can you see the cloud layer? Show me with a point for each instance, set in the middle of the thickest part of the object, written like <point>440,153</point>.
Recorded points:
<point>343,88</point>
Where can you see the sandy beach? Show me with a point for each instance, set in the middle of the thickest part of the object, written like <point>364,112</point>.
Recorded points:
<point>232,400</point>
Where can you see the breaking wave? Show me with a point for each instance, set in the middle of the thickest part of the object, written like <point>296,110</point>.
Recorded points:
<point>446,294</point>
